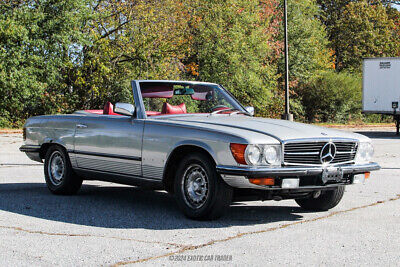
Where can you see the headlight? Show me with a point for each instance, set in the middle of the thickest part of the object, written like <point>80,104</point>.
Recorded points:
<point>365,151</point>
<point>272,154</point>
<point>253,155</point>
<point>256,154</point>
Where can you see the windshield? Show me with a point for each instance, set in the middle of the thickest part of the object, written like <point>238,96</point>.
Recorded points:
<point>165,98</point>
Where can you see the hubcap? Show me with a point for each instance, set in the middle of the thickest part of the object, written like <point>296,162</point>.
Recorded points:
<point>56,168</point>
<point>195,186</point>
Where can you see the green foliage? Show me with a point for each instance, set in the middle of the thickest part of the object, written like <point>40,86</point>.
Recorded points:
<point>232,49</point>
<point>332,97</point>
<point>130,40</point>
<point>38,43</point>
<point>60,56</point>
<point>308,44</point>
<point>308,51</point>
<point>370,31</point>
<point>359,29</point>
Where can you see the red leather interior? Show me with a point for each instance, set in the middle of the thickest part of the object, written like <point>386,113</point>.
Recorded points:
<point>170,109</point>
<point>166,109</point>
<point>95,111</point>
<point>152,113</point>
<point>109,109</point>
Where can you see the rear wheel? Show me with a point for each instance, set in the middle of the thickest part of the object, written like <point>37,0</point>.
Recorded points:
<point>199,190</point>
<point>60,178</point>
<point>324,202</point>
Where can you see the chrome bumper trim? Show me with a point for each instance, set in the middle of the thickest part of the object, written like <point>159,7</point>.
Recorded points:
<point>293,171</point>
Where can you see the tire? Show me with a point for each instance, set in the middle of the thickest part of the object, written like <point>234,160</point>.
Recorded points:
<point>60,178</point>
<point>324,202</point>
<point>200,192</point>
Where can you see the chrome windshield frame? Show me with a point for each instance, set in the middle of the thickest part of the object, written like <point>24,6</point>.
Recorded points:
<point>139,103</point>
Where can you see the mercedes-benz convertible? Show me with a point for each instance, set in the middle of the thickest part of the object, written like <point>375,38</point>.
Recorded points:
<point>197,142</point>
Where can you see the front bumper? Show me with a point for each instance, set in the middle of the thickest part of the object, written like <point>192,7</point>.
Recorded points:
<point>30,148</point>
<point>293,171</point>
<point>32,151</point>
<point>239,176</point>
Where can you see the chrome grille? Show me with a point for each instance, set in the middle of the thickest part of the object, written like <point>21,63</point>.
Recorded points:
<point>308,153</point>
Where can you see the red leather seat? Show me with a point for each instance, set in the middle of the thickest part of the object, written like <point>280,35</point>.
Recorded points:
<point>109,109</point>
<point>95,111</point>
<point>152,113</point>
<point>170,109</point>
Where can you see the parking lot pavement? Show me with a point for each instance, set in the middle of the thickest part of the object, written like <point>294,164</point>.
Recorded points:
<point>109,224</point>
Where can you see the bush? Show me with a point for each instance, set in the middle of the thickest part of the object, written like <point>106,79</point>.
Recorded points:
<point>332,97</point>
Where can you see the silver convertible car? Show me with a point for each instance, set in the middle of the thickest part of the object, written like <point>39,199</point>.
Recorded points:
<point>196,141</point>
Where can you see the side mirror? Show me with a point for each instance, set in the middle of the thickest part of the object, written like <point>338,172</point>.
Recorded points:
<point>124,109</point>
<point>250,110</point>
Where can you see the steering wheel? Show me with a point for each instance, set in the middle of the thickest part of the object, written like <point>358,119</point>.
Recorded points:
<point>219,107</point>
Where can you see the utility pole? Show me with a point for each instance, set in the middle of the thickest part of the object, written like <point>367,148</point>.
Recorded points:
<point>287,115</point>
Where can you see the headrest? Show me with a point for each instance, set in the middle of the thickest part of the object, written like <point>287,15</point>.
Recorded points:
<point>108,109</point>
<point>170,109</point>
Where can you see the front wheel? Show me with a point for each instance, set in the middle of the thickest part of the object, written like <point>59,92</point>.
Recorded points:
<point>199,190</point>
<point>324,202</point>
<point>60,178</point>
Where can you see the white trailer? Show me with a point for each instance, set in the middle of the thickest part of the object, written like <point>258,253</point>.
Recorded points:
<point>381,87</point>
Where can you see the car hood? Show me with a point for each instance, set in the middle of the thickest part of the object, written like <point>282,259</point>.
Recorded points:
<point>281,130</point>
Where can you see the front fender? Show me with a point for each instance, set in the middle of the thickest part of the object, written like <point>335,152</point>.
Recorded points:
<point>195,143</point>
<point>58,141</point>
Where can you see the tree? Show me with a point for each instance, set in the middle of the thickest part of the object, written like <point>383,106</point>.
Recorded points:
<point>358,29</point>
<point>308,42</point>
<point>231,48</point>
<point>130,40</point>
<point>308,52</point>
<point>394,16</point>
<point>38,40</point>
<point>368,33</point>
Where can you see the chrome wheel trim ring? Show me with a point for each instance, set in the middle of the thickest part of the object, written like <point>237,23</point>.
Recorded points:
<point>195,186</point>
<point>56,168</point>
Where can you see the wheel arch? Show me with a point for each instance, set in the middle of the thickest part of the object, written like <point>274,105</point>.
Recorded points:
<point>174,158</point>
<point>45,146</point>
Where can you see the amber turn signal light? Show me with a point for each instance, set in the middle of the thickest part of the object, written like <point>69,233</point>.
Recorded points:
<point>367,174</point>
<point>238,151</point>
<point>262,181</point>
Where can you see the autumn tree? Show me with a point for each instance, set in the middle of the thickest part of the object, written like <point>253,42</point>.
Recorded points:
<point>130,40</point>
<point>359,29</point>
<point>366,32</point>
<point>60,56</point>
<point>394,16</point>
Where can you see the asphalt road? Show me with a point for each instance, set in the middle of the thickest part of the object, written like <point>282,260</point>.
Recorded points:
<point>109,224</point>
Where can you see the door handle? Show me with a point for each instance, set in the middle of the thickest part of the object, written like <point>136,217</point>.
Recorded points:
<point>81,126</point>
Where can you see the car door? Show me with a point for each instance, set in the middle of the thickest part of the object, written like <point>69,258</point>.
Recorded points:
<point>110,144</point>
